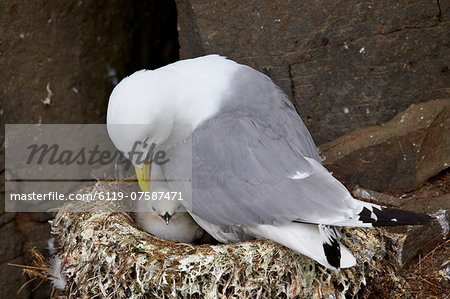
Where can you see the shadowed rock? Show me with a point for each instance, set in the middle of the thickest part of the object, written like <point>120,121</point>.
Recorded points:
<point>346,65</point>
<point>399,155</point>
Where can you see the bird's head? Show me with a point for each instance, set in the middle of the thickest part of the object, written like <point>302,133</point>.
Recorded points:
<point>165,206</point>
<point>164,106</point>
<point>138,122</point>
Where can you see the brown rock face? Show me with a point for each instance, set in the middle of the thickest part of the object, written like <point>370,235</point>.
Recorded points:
<point>51,50</point>
<point>399,155</point>
<point>58,63</point>
<point>59,60</point>
<point>346,65</point>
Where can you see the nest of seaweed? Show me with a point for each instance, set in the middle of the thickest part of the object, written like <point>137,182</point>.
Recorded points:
<point>104,253</point>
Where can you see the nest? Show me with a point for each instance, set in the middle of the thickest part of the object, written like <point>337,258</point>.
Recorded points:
<point>104,253</point>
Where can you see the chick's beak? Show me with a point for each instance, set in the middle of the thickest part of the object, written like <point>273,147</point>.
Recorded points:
<point>166,217</point>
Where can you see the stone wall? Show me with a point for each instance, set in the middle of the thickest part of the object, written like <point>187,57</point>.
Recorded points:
<point>59,61</point>
<point>345,64</point>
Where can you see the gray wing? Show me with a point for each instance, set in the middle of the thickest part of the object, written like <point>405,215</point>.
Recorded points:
<point>256,163</point>
<point>247,171</point>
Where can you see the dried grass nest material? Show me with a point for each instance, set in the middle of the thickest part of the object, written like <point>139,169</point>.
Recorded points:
<point>106,254</point>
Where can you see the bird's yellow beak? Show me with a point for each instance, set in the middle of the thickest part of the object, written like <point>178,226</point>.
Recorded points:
<point>143,175</point>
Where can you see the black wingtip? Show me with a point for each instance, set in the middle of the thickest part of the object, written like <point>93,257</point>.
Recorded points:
<point>333,253</point>
<point>392,217</point>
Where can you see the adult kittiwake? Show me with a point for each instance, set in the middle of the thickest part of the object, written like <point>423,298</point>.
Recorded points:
<point>241,156</point>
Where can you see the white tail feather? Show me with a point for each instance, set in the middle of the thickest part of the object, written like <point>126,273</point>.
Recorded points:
<point>303,238</point>
<point>347,258</point>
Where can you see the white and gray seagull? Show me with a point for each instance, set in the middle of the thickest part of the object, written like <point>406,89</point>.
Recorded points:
<point>241,156</point>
